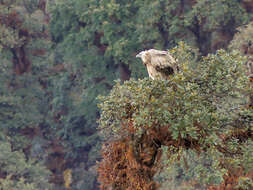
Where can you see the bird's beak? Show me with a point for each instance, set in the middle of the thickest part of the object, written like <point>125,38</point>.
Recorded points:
<point>138,55</point>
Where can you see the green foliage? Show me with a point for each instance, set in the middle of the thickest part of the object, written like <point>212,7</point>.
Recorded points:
<point>100,39</point>
<point>87,65</point>
<point>217,14</point>
<point>19,173</point>
<point>24,102</point>
<point>46,101</point>
<point>191,169</point>
<point>69,108</point>
<point>200,94</point>
<point>213,23</point>
<point>242,41</point>
<point>204,103</point>
<point>20,22</point>
<point>56,57</point>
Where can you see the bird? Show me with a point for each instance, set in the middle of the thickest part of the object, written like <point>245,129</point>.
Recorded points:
<point>159,64</point>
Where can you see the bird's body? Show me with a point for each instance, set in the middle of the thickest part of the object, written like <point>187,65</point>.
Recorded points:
<point>160,64</point>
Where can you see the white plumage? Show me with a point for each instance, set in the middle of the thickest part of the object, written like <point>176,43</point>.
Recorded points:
<point>160,64</point>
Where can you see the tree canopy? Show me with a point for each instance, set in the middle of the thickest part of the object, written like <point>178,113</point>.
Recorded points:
<point>202,108</point>
<point>58,56</point>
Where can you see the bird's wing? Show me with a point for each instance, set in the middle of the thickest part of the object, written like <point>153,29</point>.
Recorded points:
<point>161,59</point>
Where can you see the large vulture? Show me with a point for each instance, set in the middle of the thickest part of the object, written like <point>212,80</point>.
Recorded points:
<point>160,64</point>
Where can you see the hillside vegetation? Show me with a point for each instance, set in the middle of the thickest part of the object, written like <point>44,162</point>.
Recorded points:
<point>58,56</point>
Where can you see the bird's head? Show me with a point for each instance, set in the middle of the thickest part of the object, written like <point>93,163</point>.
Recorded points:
<point>142,56</point>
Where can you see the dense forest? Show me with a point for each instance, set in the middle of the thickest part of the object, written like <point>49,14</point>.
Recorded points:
<point>78,111</point>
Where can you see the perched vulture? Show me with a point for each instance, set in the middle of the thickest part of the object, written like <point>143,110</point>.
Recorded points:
<point>160,64</point>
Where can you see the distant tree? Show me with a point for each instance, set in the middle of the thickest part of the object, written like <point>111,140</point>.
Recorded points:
<point>22,33</point>
<point>150,125</point>
<point>41,98</point>
<point>100,39</point>
<point>97,42</point>
<point>57,56</point>
<point>23,49</point>
<point>242,41</point>
<point>26,85</point>
<point>18,172</point>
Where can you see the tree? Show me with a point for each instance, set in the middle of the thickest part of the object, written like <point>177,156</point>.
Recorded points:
<point>41,96</point>
<point>242,41</point>
<point>24,44</point>
<point>26,87</point>
<point>100,39</point>
<point>200,109</point>
<point>22,23</point>
<point>19,173</point>
<point>57,56</point>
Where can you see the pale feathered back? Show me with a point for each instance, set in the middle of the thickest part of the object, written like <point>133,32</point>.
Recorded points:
<point>160,64</point>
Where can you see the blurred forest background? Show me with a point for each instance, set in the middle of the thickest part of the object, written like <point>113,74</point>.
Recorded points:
<point>57,56</point>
